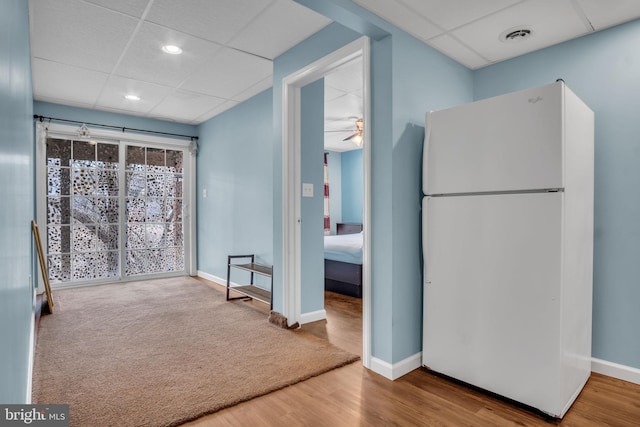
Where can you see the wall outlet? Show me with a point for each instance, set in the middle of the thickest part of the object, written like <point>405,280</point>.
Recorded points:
<point>307,190</point>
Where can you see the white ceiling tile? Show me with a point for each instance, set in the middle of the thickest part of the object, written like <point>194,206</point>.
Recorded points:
<point>456,50</point>
<point>66,82</point>
<point>450,14</point>
<point>145,59</point>
<point>185,105</point>
<point>552,21</point>
<point>402,17</point>
<point>603,14</point>
<point>130,7</point>
<point>331,93</point>
<point>347,78</point>
<point>278,29</point>
<point>128,112</point>
<point>117,87</point>
<point>78,33</point>
<point>218,21</point>
<point>334,127</point>
<point>347,106</point>
<point>228,74</point>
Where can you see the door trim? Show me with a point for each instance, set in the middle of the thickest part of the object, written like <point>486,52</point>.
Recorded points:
<point>291,183</point>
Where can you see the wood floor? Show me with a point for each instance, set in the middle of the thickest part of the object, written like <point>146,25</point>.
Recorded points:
<point>354,396</point>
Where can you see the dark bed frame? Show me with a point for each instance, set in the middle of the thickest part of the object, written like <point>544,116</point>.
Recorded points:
<point>344,277</point>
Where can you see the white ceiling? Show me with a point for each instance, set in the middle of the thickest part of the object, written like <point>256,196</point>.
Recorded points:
<point>90,53</point>
<point>469,30</point>
<point>343,105</point>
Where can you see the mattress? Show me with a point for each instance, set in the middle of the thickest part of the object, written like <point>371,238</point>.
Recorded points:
<point>344,248</point>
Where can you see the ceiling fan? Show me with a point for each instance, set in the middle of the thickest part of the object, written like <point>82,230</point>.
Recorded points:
<point>357,136</point>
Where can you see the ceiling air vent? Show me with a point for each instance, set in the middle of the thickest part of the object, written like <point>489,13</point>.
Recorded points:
<point>517,34</point>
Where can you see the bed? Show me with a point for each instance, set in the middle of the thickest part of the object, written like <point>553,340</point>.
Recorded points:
<point>343,260</point>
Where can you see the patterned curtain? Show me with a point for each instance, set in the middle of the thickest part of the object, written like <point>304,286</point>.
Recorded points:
<point>327,219</point>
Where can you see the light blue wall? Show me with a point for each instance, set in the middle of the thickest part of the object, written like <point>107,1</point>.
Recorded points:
<point>234,165</point>
<point>604,70</point>
<point>408,78</point>
<point>334,161</point>
<point>107,118</point>
<point>352,186</point>
<point>17,206</point>
<point>312,208</point>
<point>382,291</point>
<point>423,80</point>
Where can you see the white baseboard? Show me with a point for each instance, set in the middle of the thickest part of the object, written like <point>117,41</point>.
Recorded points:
<point>313,316</point>
<point>396,370</point>
<point>218,280</point>
<point>615,370</point>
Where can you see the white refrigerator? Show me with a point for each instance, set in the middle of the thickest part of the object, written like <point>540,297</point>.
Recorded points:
<point>508,245</point>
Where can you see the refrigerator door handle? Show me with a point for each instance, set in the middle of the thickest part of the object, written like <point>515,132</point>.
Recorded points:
<point>425,202</point>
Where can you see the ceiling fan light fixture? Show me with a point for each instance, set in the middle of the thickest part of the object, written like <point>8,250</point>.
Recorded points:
<point>171,49</point>
<point>357,137</point>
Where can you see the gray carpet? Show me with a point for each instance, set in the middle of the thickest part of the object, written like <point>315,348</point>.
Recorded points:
<point>163,352</point>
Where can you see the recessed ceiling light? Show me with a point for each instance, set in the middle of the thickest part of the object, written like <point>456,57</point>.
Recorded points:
<point>132,97</point>
<point>516,34</point>
<point>173,50</point>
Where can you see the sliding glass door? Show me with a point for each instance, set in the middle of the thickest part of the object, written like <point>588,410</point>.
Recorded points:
<point>114,210</point>
<point>154,203</point>
<point>83,198</point>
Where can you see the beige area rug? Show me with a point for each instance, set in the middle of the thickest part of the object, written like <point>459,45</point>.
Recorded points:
<point>163,352</point>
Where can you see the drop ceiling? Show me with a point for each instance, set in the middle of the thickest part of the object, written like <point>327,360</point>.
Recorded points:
<point>90,53</point>
<point>469,31</point>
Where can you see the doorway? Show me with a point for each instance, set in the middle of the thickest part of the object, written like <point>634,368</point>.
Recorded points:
<point>292,186</point>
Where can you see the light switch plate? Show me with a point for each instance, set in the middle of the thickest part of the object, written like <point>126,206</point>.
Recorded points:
<point>307,190</point>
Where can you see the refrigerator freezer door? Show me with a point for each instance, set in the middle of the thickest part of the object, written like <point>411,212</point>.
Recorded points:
<point>507,143</point>
<point>492,293</point>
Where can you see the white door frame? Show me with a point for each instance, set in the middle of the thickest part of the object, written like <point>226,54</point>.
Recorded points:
<point>292,187</point>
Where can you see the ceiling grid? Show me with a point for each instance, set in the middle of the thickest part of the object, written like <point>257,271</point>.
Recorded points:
<point>91,53</point>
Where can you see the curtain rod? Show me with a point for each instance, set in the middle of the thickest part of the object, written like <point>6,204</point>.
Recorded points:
<point>123,128</point>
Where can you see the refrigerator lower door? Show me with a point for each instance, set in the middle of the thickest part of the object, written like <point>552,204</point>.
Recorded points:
<point>492,293</point>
